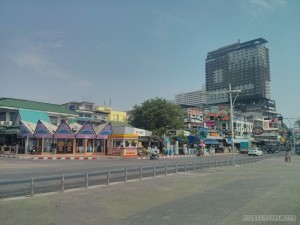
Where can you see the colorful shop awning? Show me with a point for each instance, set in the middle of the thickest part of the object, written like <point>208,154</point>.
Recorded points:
<point>44,130</point>
<point>103,130</point>
<point>86,131</point>
<point>211,142</point>
<point>240,140</point>
<point>64,131</point>
<point>27,129</point>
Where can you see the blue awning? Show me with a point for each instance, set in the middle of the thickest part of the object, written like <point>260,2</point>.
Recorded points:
<point>240,140</point>
<point>211,142</point>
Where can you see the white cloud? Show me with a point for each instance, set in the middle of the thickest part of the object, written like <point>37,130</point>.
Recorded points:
<point>39,64</point>
<point>32,53</point>
<point>259,7</point>
<point>270,5</point>
<point>163,23</point>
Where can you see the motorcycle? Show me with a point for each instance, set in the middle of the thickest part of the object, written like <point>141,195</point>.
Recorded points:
<point>154,156</point>
<point>199,153</point>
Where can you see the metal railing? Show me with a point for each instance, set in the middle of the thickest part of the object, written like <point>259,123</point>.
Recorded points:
<point>60,183</point>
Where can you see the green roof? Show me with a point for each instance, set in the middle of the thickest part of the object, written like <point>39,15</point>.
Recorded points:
<point>40,106</point>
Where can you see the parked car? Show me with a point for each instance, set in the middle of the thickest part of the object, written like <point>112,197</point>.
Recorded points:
<point>255,151</point>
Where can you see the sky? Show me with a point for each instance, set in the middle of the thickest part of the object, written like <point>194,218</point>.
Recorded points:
<point>123,52</point>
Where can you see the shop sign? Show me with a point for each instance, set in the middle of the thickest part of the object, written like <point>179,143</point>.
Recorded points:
<point>210,123</point>
<point>116,151</point>
<point>282,139</point>
<point>257,130</point>
<point>123,136</point>
<point>139,132</point>
<point>72,107</point>
<point>130,152</point>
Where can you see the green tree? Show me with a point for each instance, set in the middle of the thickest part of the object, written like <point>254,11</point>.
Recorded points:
<point>156,115</point>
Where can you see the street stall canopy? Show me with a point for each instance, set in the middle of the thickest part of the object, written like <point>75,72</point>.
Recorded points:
<point>103,130</point>
<point>64,131</point>
<point>27,129</point>
<point>211,142</point>
<point>44,130</point>
<point>86,131</point>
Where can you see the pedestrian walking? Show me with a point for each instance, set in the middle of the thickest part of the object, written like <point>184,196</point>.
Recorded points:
<point>288,157</point>
<point>53,147</point>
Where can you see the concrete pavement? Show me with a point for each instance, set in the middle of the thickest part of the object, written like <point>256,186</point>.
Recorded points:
<point>267,190</point>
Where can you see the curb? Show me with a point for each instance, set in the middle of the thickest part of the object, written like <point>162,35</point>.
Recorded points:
<point>64,158</point>
<point>170,156</point>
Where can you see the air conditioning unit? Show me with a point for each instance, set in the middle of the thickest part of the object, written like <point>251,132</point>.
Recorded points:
<point>8,123</point>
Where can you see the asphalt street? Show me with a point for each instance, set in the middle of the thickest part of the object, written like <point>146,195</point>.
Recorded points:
<point>266,192</point>
<point>14,168</point>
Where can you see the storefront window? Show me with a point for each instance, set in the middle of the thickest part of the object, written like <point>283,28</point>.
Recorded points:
<point>2,116</point>
<point>127,143</point>
<point>79,146</point>
<point>47,145</point>
<point>130,143</point>
<point>65,146</point>
<point>117,143</point>
<point>134,143</point>
<point>100,145</point>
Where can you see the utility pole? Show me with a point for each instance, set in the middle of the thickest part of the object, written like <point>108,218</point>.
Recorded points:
<point>231,119</point>
<point>230,91</point>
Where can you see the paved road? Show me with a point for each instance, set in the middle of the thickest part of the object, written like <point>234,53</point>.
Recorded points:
<point>227,195</point>
<point>22,168</point>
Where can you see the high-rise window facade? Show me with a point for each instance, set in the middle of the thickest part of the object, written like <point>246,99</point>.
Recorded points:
<point>194,98</point>
<point>244,65</point>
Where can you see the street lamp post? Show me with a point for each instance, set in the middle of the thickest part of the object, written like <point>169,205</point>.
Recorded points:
<point>231,118</point>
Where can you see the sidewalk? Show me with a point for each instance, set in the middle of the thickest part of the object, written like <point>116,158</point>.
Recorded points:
<point>226,195</point>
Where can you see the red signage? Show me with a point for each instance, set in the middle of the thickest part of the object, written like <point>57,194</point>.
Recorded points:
<point>257,130</point>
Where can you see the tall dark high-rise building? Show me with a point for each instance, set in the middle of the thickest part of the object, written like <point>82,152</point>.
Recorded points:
<point>246,66</point>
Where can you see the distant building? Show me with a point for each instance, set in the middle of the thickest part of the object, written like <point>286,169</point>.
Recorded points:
<point>193,118</point>
<point>87,112</point>
<point>112,114</point>
<point>193,98</point>
<point>246,66</point>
